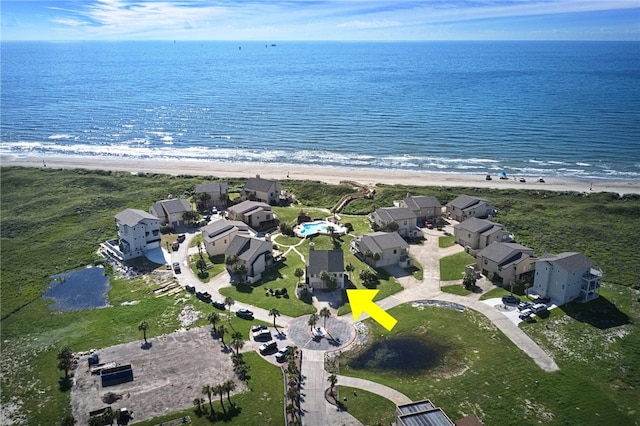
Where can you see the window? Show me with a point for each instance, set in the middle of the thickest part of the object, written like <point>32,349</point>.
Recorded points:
<point>395,251</point>
<point>485,262</point>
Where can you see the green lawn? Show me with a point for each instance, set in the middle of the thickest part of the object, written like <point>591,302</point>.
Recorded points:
<point>370,408</point>
<point>444,242</point>
<point>452,267</point>
<point>215,266</point>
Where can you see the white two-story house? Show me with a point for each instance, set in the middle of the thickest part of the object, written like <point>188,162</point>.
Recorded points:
<point>138,232</point>
<point>380,249</point>
<point>566,277</point>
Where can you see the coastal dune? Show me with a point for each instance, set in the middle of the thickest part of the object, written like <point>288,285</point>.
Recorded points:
<point>332,175</point>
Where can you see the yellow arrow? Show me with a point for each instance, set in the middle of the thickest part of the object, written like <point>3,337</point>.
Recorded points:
<point>362,301</point>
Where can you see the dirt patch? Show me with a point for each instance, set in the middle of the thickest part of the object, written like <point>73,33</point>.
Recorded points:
<point>168,374</point>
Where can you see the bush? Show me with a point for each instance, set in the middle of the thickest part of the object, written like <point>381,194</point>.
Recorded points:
<point>167,229</point>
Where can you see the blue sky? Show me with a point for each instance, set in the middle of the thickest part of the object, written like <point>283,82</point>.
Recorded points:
<point>272,20</point>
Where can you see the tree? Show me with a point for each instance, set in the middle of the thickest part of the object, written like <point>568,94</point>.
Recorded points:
<point>239,269</point>
<point>440,223</point>
<point>313,320</point>
<point>65,360</point>
<point>330,281</point>
<point>469,280</point>
<point>189,216</point>
<point>214,318</point>
<point>108,415</point>
<point>198,403</point>
<point>349,268</point>
<point>230,259</point>
<point>229,386</point>
<point>237,341</point>
<point>273,312</point>
<point>222,330</point>
<point>208,390</point>
<point>293,394</point>
<point>144,326</point>
<point>202,200</point>
<point>228,301</point>
<point>299,273</point>
<point>219,390</point>
<point>201,265</point>
<point>325,313</point>
<point>333,379</point>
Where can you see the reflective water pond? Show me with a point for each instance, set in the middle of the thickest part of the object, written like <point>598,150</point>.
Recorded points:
<point>77,290</point>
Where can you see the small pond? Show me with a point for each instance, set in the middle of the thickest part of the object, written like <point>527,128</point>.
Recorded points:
<point>78,290</point>
<point>404,355</point>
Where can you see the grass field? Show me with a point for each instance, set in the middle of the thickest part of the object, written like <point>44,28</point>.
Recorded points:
<point>370,408</point>
<point>452,267</point>
<point>53,220</point>
<point>486,375</point>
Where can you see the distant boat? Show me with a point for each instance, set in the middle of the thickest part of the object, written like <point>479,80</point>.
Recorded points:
<point>273,45</point>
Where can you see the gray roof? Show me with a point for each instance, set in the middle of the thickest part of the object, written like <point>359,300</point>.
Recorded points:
<point>247,248</point>
<point>131,217</point>
<point>174,205</point>
<point>421,202</point>
<point>476,225</point>
<point>434,417</point>
<point>570,261</point>
<point>505,253</point>
<point>222,226</point>
<point>216,188</point>
<point>325,260</point>
<point>416,407</point>
<point>465,201</point>
<point>377,242</point>
<point>393,214</point>
<point>246,206</point>
<point>259,184</point>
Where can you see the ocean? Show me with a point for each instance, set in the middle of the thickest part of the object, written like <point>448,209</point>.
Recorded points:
<point>569,109</point>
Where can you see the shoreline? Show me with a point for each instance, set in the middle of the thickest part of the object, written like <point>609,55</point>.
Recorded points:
<point>331,175</point>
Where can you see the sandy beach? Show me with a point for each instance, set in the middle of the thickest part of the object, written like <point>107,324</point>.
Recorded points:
<point>322,174</point>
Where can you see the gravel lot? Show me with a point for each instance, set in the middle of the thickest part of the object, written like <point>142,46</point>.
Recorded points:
<point>168,375</point>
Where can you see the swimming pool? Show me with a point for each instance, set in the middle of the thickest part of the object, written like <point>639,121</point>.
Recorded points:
<point>318,227</point>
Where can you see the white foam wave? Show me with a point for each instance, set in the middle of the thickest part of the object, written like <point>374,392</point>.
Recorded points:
<point>61,136</point>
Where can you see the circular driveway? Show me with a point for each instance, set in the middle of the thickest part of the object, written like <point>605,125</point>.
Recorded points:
<point>338,334</point>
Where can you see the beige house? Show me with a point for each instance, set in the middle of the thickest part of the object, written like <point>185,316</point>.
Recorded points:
<point>265,190</point>
<point>475,234</point>
<point>218,193</point>
<point>331,261</point>
<point>402,216</point>
<point>138,232</point>
<point>256,214</point>
<point>171,211</point>
<point>425,208</point>
<point>380,249</point>
<point>466,206</point>
<point>566,277</point>
<point>255,253</point>
<point>509,262</point>
<point>217,236</point>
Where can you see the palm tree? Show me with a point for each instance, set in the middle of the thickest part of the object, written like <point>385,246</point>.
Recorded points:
<point>198,403</point>
<point>273,312</point>
<point>222,330</point>
<point>325,313</point>
<point>293,394</point>
<point>219,390</point>
<point>208,390</point>
<point>291,409</point>
<point>143,327</point>
<point>189,216</point>
<point>237,341</point>
<point>228,301</point>
<point>299,272</point>
<point>332,379</point>
<point>229,386</point>
<point>214,318</point>
<point>330,281</point>
<point>65,358</point>
<point>231,259</point>
<point>313,320</point>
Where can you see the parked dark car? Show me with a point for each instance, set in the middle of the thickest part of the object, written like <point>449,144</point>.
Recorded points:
<point>258,327</point>
<point>268,347</point>
<point>244,313</point>
<point>281,355</point>
<point>181,238</point>
<point>191,289</point>
<point>218,304</point>
<point>204,296</point>
<point>509,299</point>
<point>176,267</point>
<point>542,299</point>
<point>175,246</point>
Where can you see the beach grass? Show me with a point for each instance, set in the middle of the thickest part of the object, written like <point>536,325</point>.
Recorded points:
<point>54,220</point>
<point>452,267</point>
